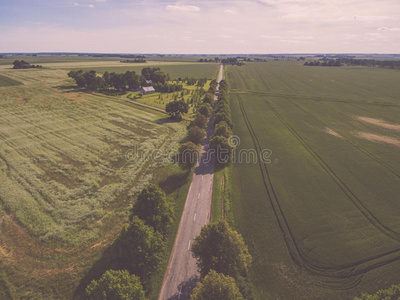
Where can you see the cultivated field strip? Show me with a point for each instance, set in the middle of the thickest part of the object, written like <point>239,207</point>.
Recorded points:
<point>64,156</point>
<point>331,276</point>
<point>343,186</point>
<point>349,140</point>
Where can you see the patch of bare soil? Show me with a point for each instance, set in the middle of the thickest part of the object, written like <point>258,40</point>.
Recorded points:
<point>76,97</point>
<point>380,123</point>
<point>379,138</point>
<point>332,132</point>
<point>20,99</point>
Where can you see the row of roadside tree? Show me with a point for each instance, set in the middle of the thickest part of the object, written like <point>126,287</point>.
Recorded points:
<point>138,252</point>
<point>188,151</point>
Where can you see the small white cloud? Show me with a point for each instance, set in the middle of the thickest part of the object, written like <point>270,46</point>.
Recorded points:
<point>156,36</point>
<point>388,28</point>
<point>302,37</point>
<point>186,38</point>
<point>230,11</point>
<point>91,5</point>
<point>348,36</point>
<point>225,36</point>
<point>270,37</point>
<point>183,8</point>
<point>75,4</point>
<point>372,18</point>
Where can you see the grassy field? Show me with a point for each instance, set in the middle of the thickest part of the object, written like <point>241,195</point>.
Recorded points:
<point>66,184</point>
<point>101,65</point>
<point>322,216</point>
<point>6,81</point>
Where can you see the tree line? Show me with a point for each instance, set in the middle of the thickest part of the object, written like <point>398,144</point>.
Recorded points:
<point>22,64</point>
<point>232,61</point>
<point>223,260</point>
<point>134,61</point>
<point>188,153</point>
<point>222,127</point>
<point>346,61</point>
<point>129,80</point>
<point>324,63</point>
<point>138,250</point>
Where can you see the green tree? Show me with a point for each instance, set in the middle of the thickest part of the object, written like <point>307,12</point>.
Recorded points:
<point>116,285</point>
<point>205,109</point>
<point>222,129</point>
<point>154,209</point>
<point>222,148</point>
<point>392,293</point>
<point>188,154</point>
<point>220,248</point>
<point>176,109</point>
<point>216,286</point>
<point>222,116</point>
<point>208,98</point>
<point>132,79</point>
<point>78,77</point>
<point>196,134</point>
<point>140,248</point>
<point>200,121</point>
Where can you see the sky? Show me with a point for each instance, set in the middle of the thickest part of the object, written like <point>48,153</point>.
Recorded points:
<point>200,27</point>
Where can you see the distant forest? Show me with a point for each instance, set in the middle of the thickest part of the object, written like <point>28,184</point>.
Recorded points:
<point>386,64</point>
<point>135,61</point>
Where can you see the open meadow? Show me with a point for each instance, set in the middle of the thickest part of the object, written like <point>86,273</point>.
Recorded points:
<point>321,215</point>
<point>71,163</point>
<point>175,69</point>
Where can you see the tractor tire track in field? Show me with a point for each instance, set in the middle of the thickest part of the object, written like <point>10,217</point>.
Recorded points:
<point>342,185</point>
<point>262,79</point>
<point>360,148</point>
<point>316,98</point>
<point>329,276</point>
<point>243,80</point>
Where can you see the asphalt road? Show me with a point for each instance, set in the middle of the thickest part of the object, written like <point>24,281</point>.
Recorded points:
<point>182,273</point>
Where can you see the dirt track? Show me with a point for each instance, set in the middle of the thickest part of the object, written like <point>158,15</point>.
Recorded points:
<point>181,274</point>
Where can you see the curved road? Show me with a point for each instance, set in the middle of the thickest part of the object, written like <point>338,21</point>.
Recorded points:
<point>182,273</point>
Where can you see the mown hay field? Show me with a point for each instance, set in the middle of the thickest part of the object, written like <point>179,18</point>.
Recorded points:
<point>321,215</point>
<point>6,81</point>
<point>66,181</point>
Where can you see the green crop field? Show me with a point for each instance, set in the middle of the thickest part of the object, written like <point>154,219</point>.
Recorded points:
<point>66,181</point>
<point>6,81</point>
<point>321,215</point>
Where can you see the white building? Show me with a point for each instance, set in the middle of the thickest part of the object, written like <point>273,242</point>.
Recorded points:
<point>147,90</point>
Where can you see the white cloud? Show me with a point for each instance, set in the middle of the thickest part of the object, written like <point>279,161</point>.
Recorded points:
<point>91,5</point>
<point>225,36</point>
<point>230,11</point>
<point>302,37</point>
<point>372,18</point>
<point>388,28</point>
<point>270,37</point>
<point>348,36</point>
<point>183,8</point>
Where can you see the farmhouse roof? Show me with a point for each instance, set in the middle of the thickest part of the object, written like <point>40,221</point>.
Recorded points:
<point>148,89</point>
